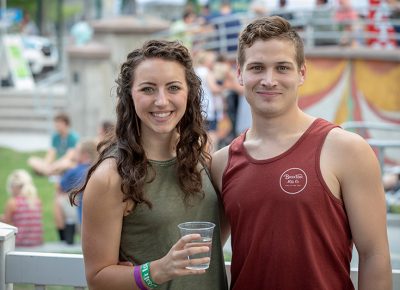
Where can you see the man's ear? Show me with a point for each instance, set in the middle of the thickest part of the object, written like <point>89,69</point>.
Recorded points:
<point>302,72</point>
<point>239,75</point>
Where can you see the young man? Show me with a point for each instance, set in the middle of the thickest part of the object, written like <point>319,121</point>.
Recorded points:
<point>60,156</point>
<point>297,190</point>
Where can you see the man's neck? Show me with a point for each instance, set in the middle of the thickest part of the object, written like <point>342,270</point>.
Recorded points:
<point>64,133</point>
<point>273,136</point>
<point>280,126</point>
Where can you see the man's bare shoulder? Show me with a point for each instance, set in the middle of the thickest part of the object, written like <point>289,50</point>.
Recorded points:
<point>221,154</point>
<point>218,165</point>
<point>348,152</point>
<point>346,141</point>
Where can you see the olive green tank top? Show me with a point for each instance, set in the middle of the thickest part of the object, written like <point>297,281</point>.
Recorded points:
<point>148,234</point>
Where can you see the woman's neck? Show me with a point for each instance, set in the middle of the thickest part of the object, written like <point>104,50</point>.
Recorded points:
<point>160,148</point>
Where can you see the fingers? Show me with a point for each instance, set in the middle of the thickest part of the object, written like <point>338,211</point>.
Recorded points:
<point>194,254</point>
<point>187,239</point>
<point>189,251</point>
<point>190,245</point>
<point>193,263</point>
<point>125,263</point>
<point>191,266</point>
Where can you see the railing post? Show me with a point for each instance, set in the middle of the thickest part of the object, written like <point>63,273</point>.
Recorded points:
<point>7,244</point>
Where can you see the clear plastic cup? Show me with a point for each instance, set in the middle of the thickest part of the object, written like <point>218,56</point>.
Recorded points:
<point>205,230</point>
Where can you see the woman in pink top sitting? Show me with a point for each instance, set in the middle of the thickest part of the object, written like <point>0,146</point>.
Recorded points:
<point>24,209</point>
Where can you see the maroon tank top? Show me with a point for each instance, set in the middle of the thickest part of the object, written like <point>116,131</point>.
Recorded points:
<point>288,230</point>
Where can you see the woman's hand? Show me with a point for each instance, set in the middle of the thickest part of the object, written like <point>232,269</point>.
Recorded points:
<point>175,262</point>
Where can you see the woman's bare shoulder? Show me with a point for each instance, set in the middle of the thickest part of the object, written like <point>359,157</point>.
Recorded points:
<point>105,177</point>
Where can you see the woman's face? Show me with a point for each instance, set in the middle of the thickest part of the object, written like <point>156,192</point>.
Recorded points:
<point>160,94</point>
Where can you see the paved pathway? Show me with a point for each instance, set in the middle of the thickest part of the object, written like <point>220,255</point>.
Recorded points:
<point>54,247</point>
<point>24,141</point>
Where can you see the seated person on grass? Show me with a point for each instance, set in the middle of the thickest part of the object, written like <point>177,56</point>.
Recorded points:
<point>66,216</point>
<point>60,156</point>
<point>23,209</point>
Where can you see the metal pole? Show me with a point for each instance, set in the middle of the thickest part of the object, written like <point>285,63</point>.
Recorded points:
<point>3,16</point>
<point>39,16</point>
<point>60,32</point>
<point>4,70</point>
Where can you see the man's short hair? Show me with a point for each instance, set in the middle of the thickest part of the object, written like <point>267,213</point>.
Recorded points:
<point>63,117</point>
<point>267,28</point>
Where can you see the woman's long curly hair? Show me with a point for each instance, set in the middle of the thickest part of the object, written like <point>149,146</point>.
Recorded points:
<point>124,144</point>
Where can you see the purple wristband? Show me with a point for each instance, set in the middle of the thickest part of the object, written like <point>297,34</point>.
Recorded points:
<point>138,278</point>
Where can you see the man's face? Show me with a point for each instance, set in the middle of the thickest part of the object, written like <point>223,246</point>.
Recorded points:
<point>271,77</point>
<point>60,126</point>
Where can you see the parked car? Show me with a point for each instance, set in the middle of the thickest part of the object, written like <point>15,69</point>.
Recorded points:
<point>40,52</point>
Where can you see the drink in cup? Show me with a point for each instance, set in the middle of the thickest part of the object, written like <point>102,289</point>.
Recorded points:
<point>205,230</point>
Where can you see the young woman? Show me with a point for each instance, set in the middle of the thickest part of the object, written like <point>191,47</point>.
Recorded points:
<point>151,176</point>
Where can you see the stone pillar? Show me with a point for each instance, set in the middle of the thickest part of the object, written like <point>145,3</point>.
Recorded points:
<point>122,34</point>
<point>94,67</point>
<point>90,79</point>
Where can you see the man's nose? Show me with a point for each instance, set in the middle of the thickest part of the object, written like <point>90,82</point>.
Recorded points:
<point>268,78</point>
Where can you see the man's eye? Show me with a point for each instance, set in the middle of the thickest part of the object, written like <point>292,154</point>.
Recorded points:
<point>257,68</point>
<point>282,68</point>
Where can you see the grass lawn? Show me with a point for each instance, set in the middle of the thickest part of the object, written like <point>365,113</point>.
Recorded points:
<point>11,160</point>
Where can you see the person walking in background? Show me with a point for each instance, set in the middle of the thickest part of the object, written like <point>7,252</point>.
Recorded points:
<point>297,190</point>
<point>27,25</point>
<point>212,102</point>
<point>225,75</point>
<point>395,16</point>
<point>60,155</point>
<point>152,175</point>
<point>105,129</point>
<point>322,19</point>
<point>24,209</point>
<point>226,26</point>
<point>282,11</point>
<point>184,29</point>
<point>349,24</point>
<point>67,217</point>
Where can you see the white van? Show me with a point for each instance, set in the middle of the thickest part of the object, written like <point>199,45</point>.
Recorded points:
<point>40,52</point>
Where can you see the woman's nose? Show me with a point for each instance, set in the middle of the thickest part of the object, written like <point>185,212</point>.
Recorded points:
<point>161,98</point>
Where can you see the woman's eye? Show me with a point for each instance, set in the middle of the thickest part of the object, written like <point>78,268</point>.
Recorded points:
<point>148,90</point>
<point>174,88</point>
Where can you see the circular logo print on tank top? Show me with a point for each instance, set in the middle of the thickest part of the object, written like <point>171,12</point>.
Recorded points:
<point>293,181</point>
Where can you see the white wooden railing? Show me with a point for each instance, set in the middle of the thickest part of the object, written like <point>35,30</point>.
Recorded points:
<point>390,139</point>
<point>45,269</point>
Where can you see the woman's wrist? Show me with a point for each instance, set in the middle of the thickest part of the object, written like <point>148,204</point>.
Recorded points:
<point>146,276</point>
<point>143,277</point>
<point>158,276</point>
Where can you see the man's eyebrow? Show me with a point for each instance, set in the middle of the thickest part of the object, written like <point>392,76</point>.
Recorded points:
<point>254,63</point>
<point>284,62</point>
